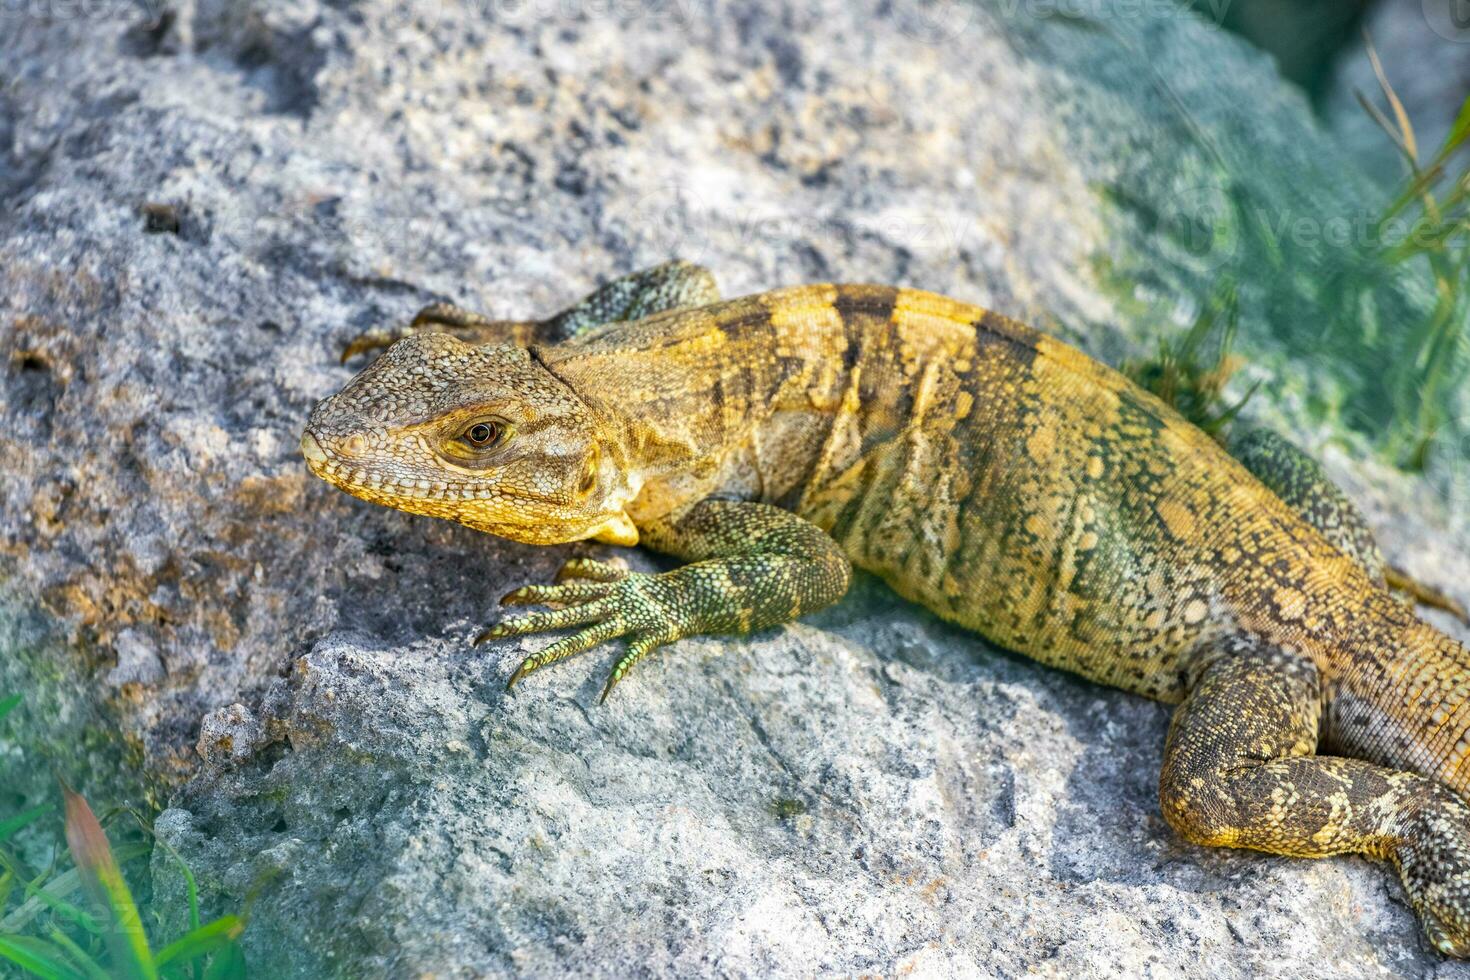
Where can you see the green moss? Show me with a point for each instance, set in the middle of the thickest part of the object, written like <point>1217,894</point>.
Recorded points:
<point>786,808</point>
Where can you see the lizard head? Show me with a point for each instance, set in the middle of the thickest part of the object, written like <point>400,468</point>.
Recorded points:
<point>486,436</point>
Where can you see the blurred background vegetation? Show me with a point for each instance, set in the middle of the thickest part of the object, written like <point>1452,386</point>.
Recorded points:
<point>1385,309</point>
<point>1305,37</point>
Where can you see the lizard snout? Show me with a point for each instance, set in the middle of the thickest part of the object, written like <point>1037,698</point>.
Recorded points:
<point>312,450</point>
<point>320,448</point>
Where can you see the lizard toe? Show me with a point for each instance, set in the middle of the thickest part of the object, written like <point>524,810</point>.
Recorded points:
<point>638,648</point>
<point>566,647</point>
<point>567,594</point>
<point>1433,859</point>
<point>369,341</point>
<point>546,620</point>
<point>591,569</point>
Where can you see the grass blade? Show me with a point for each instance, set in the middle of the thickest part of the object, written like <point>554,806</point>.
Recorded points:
<point>9,828</point>
<point>202,941</point>
<point>1458,133</point>
<point>91,969</point>
<point>51,895</point>
<point>1406,130</point>
<point>192,887</point>
<point>103,880</point>
<point>38,957</point>
<point>229,964</point>
<point>1378,117</point>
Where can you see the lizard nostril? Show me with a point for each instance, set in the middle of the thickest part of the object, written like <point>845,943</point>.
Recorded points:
<point>312,449</point>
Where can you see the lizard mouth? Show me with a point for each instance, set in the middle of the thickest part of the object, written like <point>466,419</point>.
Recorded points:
<point>481,507</point>
<point>316,457</point>
<point>351,474</point>
<point>322,463</point>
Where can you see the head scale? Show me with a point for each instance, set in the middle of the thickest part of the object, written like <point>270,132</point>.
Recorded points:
<point>486,436</point>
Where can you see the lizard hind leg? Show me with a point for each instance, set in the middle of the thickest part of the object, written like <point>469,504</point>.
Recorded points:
<point>1301,481</point>
<point>1240,771</point>
<point>1304,485</point>
<point>466,325</point>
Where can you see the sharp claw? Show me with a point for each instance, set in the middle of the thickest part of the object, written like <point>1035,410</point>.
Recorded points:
<point>486,634</point>
<point>359,345</point>
<point>521,671</point>
<point>433,313</point>
<point>515,597</point>
<point>620,669</point>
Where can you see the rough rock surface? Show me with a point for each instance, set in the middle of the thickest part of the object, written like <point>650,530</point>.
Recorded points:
<point>198,208</point>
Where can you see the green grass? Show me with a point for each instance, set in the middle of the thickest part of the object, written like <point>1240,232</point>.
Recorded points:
<point>1190,373</point>
<point>82,923</point>
<point>1374,306</point>
<point>1426,228</point>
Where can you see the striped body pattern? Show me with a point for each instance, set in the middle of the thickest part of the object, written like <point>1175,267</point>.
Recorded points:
<point>999,477</point>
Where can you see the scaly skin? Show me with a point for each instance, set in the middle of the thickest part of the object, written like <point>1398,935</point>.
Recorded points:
<point>997,476</point>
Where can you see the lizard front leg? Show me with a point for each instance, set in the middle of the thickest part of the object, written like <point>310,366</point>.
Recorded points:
<point>1239,771</point>
<point>750,566</point>
<point>670,286</point>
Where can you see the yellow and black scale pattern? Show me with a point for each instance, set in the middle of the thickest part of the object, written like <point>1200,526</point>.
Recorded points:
<point>999,477</point>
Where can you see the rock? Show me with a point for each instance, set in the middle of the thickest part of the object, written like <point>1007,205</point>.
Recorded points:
<point>202,202</point>
<point>137,661</point>
<point>231,734</point>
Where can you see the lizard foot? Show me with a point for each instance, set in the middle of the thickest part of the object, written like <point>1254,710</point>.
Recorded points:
<point>374,339</point>
<point>607,600</point>
<point>1433,858</point>
<point>438,318</point>
<point>1424,594</point>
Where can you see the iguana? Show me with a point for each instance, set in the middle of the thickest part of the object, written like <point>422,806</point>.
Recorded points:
<point>1001,478</point>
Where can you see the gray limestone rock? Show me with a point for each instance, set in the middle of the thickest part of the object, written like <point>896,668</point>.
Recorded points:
<point>200,202</point>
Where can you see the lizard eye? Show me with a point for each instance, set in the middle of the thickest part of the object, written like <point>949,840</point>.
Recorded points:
<point>482,434</point>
